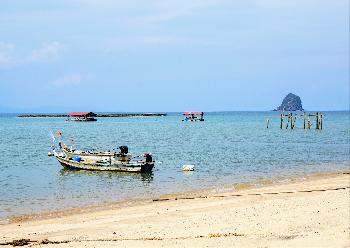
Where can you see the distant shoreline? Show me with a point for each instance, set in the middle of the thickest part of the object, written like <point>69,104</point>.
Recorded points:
<point>97,115</point>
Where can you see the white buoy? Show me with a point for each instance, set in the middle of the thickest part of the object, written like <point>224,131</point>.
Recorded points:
<point>188,167</point>
<point>50,154</point>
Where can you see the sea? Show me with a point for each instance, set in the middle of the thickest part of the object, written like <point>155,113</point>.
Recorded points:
<point>227,149</point>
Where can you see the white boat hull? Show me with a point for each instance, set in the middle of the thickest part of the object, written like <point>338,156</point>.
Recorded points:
<point>118,167</point>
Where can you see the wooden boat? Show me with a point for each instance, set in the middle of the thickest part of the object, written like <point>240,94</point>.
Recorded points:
<point>193,116</point>
<point>105,165</point>
<point>123,155</point>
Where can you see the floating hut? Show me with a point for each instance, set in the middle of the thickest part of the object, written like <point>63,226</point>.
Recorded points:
<point>193,116</point>
<point>81,116</point>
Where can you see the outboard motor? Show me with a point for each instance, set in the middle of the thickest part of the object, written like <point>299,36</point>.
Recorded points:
<point>148,157</point>
<point>124,150</point>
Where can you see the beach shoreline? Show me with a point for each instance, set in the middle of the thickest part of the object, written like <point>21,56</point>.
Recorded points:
<point>206,192</point>
<point>313,211</point>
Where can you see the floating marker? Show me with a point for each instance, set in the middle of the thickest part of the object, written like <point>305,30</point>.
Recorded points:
<point>188,167</point>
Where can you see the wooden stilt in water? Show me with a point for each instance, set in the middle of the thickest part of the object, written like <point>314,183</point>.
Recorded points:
<point>319,120</point>
<point>282,116</point>
<point>307,117</point>
<point>288,121</point>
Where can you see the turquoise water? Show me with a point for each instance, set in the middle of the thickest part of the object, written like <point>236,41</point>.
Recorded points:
<point>228,148</point>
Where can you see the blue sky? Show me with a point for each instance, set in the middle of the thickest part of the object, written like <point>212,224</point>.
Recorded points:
<point>172,55</point>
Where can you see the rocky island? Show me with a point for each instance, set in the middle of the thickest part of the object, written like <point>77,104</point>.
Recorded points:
<point>291,103</point>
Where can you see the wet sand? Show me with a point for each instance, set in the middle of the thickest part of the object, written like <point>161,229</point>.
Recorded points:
<point>314,212</point>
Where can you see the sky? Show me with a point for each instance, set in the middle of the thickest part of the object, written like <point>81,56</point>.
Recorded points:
<point>172,55</point>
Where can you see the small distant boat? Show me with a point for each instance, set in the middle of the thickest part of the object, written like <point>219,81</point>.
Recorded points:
<point>78,163</point>
<point>193,116</point>
<point>81,116</point>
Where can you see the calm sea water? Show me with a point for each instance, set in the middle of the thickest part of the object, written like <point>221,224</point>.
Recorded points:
<point>228,148</point>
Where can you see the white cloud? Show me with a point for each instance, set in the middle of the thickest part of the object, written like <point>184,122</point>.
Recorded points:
<point>9,56</point>
<point>6,54</point>
<point>168,10</point>
<point>68,80</point>
<point>146,40</point>
<point>47,52</point>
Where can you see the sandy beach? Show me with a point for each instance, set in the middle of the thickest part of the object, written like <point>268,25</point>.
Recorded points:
<point>313,212</point>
